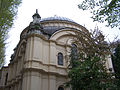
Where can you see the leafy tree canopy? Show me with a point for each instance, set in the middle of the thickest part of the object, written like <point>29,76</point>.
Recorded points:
<point>88,71</point>
<point>103,10</point>
<point>8,11</point>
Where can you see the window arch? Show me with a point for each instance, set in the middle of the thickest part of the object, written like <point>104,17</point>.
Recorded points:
<point>60,88</point>
<point>60,58</point>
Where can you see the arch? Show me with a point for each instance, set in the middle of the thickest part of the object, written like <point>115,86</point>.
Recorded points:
<point>63,32</point>
<point>60,58</point>
<point>17,50</point>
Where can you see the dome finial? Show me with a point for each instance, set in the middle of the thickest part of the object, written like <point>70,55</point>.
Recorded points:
<point>36,15</point>
<point>36,11</point>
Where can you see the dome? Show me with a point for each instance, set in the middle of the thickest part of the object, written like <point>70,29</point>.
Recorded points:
<point>50,29</point>
<point>50,25</point>
<point>57,18</point>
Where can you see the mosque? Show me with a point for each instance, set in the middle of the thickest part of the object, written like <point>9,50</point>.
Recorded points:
<point>41,58</point>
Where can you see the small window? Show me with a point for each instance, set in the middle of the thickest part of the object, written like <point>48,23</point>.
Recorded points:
<point>60,88</point>
<point>60,59</point>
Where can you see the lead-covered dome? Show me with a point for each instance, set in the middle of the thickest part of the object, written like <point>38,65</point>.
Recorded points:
<point>56,23</point>
<point>48,26</point>
<point>57,18</point>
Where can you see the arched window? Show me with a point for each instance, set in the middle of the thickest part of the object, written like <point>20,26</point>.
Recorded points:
<point>60,58</point>
<point>74,51</point>
<point>74,48</point>
<point>60,88</point>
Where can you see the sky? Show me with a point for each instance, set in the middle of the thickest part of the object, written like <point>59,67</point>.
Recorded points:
<point>50,8</point>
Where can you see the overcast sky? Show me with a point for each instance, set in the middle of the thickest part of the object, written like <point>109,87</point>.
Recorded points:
<point>48,8</point>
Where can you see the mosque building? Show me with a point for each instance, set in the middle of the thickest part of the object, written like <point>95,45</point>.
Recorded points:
<point>41,58</point>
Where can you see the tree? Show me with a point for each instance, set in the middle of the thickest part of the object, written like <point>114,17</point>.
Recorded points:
<point>88,70</point>
<point>116,63</point>
<point>103,10</point>
<point>8,11</point>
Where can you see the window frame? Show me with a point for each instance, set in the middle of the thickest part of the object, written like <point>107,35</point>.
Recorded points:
<point>60,59</point>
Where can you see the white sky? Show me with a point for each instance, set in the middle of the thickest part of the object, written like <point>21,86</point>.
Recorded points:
<point>48,8</point>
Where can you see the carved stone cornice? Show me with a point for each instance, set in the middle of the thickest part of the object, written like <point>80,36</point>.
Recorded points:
<point>46,68</point>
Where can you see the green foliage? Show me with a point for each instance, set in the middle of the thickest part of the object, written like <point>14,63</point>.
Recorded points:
<point>103,10</point>
<point>90,74</point>
<point>116,63</point>
<point>88,71</point>
<point>2,49</point>
<point>8,11</point>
